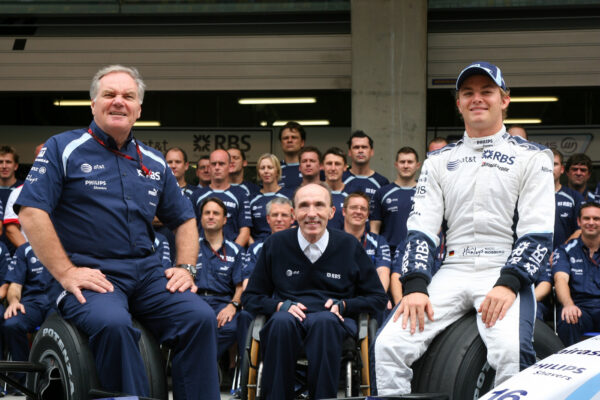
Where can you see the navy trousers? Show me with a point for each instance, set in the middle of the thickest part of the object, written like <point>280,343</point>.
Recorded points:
<point>234,330</point>
<point>183,321</point>
<point>321,335</point>
<point>572,333</point>
<point>17,327</point>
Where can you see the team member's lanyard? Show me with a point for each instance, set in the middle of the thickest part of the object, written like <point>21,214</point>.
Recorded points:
<point>126,156</point>
<point>224,258</point>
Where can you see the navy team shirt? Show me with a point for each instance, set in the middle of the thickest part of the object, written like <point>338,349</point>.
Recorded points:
<point>568,203</point>
<point>220,272</point>
<point>258,209</point>
<point>391,205</point>
<point>366,184</point>
<point>574,259</point>
<point>38,284</point>
<point>102,205</point>
<point>291,177</point>
<point>251,189</point>
<point>237,204</point>
<point>377,249</point>
<point>5,260</point>
<point>337,222</point>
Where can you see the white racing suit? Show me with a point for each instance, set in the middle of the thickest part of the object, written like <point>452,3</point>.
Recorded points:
<point>475,186</point>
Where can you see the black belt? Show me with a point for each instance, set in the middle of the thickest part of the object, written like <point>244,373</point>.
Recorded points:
<point>201,292</point>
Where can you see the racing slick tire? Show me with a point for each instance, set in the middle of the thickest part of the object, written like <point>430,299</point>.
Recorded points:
<point>456,361</point>
<point>70,368</point>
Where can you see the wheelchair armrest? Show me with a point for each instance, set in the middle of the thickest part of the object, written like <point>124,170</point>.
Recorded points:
<point>259,322</point>
<point>363,325</point>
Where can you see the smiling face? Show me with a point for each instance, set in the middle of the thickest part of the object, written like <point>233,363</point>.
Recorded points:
<point>481,104</point>
<point>356,211</point>
<point>590,222</point>
<point>8,166</point>
<point>312,211</point>
<point>117,105</point>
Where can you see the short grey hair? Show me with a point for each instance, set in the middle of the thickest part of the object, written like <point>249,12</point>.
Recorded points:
<point>320,183</point>
<point>279,200</point>
<point>131,71</point>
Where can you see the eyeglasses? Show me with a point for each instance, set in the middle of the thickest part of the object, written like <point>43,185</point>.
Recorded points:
<point>358,208</point>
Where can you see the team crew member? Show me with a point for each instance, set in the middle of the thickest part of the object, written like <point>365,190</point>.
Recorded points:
<point>291,137</point>
<point>392,203</point>
<point>9,163</point>
<point>102,188</point>
<point>360,177</point>
<point>311,281</point>
<point>310,165</point>
<point>568,202</point>
<point>219,276</point>
<point>236,172</point>
<point>203,171</point>
<point>334,165</point>
<point>269,170</point>
<point>31,298</point>
<point>235,199</point>
<point>163,250</point>
<point>356,213</point>
<point>5,260</point>
<point>577,278</point>
<point>280,216</point>
<point>475,185</point>
<point>178,162</point>
<point>12,227</point>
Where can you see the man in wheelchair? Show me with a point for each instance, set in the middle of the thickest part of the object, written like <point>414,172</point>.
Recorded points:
<point>311,282</point>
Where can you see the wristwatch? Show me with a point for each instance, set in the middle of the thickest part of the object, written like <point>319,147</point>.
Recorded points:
<point>191,268</point>
<point>236,304</point>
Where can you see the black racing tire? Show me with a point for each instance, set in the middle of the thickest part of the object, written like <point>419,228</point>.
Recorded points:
<point>456,361</point>
<point>154,363</point>
<point>71,370</point>
<point>545,341</point>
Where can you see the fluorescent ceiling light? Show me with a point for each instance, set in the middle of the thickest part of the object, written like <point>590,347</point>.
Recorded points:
<point>72,103</point>
<point>280,100</point>
<point>534,99</point>
<point>305,122</point>
<point>263,123</point>
<point>523,121</point>
<point>147,123</point>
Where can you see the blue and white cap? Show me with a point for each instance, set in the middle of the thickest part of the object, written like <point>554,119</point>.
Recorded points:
<point>481,68</point>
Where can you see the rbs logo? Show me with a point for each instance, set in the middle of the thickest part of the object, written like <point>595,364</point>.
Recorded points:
<point>496,155</point>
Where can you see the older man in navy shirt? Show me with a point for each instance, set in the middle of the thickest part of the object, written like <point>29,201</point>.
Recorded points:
<point>87,208</point>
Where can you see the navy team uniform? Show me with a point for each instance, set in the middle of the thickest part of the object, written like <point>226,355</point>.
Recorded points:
<point>338,197</point>
<point>216,277</point>
<point>366,184</point>
<point>574,259</point>
<point>5,191</point>
<point>237,204</point>
<point>38,294</point>
<point>188,190</point>
<point>251,258</point>
<point>5,260</point>
<point>251,189</point>
<point>291,177</point>
<point>258,209</point>
<point>102,206</point>
<point>391,205</point>
<point>163,250</point>
<point>283,273</point>
<point>568,203</point>
<point>378,250</point>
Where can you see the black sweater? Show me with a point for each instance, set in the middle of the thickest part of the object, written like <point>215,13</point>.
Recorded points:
<point>343,272</point>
